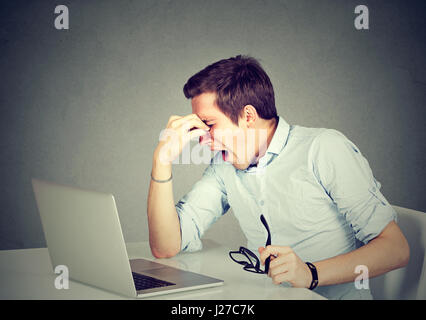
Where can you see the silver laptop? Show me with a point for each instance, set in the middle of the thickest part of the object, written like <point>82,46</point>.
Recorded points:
<point>83,232</point>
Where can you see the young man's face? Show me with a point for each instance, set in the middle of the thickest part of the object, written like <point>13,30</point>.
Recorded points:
<point>235,142</point>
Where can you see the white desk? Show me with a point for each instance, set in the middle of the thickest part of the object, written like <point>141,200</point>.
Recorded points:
<point>28,274</point>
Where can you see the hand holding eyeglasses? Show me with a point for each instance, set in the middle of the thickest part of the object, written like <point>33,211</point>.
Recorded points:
<point>248,259</point>
<point>286,266</point>
<point>281,263</point>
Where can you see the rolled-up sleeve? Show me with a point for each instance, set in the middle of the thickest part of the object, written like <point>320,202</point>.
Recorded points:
<point>346,177</point>
<point>200,208</point>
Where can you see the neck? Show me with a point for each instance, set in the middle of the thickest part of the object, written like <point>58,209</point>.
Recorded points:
<point>263,140</point>
<point>271,131</point>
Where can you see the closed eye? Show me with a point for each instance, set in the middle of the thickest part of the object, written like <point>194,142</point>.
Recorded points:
<point>207,124</point>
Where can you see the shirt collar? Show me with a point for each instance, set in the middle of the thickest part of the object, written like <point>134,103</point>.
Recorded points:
<point>279,138</point>
<point>278,142</point>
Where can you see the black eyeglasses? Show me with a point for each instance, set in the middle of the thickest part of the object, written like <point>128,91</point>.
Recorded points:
<point>248,259</point>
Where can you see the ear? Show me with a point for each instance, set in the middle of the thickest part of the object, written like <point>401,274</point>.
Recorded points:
<point>249,116</point>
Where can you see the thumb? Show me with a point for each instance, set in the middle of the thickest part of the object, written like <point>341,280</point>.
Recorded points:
<point>196,133</point>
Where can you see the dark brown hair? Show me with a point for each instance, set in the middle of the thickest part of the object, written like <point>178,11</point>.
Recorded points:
<point>237,82</point>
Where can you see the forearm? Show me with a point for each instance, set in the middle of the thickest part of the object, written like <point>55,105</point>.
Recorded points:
<point>380,255</point>
<point>163,221</point>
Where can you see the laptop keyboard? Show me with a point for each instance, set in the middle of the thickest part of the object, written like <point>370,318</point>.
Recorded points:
<point>143,282</point>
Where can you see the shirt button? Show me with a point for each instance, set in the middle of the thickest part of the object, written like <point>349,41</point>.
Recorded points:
<point>261,202</point>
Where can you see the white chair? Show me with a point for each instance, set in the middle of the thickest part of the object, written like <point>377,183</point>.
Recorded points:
<point>408,282</point>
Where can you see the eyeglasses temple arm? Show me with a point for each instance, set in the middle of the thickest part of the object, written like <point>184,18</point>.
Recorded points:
<point>268,242</point>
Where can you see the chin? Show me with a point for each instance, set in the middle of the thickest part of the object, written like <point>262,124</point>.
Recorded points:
<point>240,166</point>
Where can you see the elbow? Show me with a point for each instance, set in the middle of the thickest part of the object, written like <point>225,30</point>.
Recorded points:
<point>404,256</point>
<point>397,247</point>
<point>401,253</point>
<point>164,253</point>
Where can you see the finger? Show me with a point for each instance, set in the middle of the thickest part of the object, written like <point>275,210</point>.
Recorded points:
<point>192,124</point>
<point>276,270</point>
<point>205,139</point>
<point>172,118</point>
<point>192,119</point>
<point>282,277</point>
<point>273,250</point>
<point>282,259</point>
<point>196,133</point>
<point>188,116</point>
<point>261,249</point>
<point>175,120</point>
<point>271,257</point>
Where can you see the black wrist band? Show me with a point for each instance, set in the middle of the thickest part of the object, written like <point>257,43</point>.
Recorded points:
<point>314,272</point>
<point>162,181</point>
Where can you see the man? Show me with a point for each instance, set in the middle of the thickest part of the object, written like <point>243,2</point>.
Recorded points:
<point>313,186</point>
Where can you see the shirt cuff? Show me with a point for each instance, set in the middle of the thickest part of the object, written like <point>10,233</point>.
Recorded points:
<point>375,216</point>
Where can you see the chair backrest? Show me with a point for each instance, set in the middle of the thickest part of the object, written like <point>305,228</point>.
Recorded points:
<point>408,282</point>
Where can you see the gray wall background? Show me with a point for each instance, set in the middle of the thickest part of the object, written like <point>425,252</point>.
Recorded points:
<point>85,106</point>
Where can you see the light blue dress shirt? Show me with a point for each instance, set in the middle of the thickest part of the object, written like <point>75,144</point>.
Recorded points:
<point>315,189</point>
